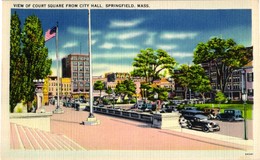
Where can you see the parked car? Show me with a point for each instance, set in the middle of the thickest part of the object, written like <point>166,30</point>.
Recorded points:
<point>190,110</point>
<point>169,108</point>
<point>147,107</point>
<point>199,121</point>
<point>230,115</point>
<point>150,107</point>
<point>139,104</point>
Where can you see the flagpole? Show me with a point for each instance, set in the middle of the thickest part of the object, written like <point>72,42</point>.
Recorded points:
<point>91,120</point>
<point>91,115</point>
<point>58,109</point>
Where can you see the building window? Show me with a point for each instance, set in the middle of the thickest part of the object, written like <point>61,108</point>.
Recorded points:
<point>80,63</point>
<point>250,92</point>
<point>74,58</point>
<point>250,77</point>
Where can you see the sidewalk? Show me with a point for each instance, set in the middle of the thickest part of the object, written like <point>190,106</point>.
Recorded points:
<point>215,136</point>
<point>122,134</point>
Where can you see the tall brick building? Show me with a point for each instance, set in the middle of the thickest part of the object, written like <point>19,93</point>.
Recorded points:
<point>76,66</point>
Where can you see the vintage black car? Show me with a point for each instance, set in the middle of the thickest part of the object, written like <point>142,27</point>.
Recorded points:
<point>169,108</point>
<point>230,115</point>
<point>194,119</point>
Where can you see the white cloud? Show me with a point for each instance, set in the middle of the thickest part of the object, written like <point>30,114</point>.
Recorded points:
<point>128,46</point>
<point>70,44</point>
<point>181,55</point>
<point>130,35</point>
<point>178,35</point>
<point>166,47</point>
<point>93,41</point>
<point>114,56</point>
<point>78,30</point>
<point>125,23</point>
<point>124,35</point>
<point>93,33</point>
<point>151,38</point>
<point>107,45</point>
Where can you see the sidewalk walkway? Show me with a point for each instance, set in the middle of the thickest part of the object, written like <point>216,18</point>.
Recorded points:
<point>122,134</point>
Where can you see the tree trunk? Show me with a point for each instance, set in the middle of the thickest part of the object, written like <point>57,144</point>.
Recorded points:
<point>203,97</point>
<point>29,106</point>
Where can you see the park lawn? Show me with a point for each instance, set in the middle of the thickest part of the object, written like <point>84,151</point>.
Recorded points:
<point>249,108</point>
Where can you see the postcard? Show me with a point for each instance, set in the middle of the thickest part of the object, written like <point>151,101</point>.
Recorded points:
<point>130,79</point>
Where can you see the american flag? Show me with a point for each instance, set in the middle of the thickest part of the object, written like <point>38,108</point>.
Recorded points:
<point>50,33</point>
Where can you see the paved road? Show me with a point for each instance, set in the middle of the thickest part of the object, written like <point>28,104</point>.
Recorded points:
<point>121,134</point>
<point>235,129</point>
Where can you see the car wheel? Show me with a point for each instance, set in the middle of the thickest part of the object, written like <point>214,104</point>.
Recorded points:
<point>218,118</point>
<point>205,129</point>
<point>189,125</point>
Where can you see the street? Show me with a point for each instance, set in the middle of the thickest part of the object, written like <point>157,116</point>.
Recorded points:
<point>235,129</point>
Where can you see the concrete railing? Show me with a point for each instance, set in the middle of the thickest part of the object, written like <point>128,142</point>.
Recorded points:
<point>145,117</point>
<point>166,120</point>
<point>158,120</point>
<point>33,120</point>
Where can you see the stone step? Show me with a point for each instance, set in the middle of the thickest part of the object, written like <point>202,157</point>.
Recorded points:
<point>34,139</point>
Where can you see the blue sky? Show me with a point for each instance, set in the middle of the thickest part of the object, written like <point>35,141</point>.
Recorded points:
<point>118,35</point>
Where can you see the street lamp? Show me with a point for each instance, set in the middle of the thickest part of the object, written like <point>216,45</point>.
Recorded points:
<point>156,97</point>
<point>145,95</point>
<point>190,94</point>
<point>114,95</point>
<point>244,98</point>
<point>39,94</point>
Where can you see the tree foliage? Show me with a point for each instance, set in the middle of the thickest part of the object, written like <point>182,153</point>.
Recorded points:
<point>150,63</point>
<point>193,77</point>
<point>200,82</point>
<point>220,97</point>
<point>224,55</point>
<point>109,91</point>
<point>99,85</point>
<point>154,92</point>
<point>16,62</point>
<point>126,88</point>
<point>183,78</point>
<point>37,64</point>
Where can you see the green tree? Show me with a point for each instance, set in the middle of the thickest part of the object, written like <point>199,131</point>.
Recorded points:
<point>200,82</point>
<point>224,55</point>
<point>161,92</point>
<point>37,64</point>
<point>99,85</point>
<point>150,63</point>
<point>130,87</point>
<point>109,91</point>
<point>16,63</point>
<point>184,78</point>
<point>126,88</point>
<point>220,97</point>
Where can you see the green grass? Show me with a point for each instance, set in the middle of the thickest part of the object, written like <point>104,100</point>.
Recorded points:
<point>249,108</point>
